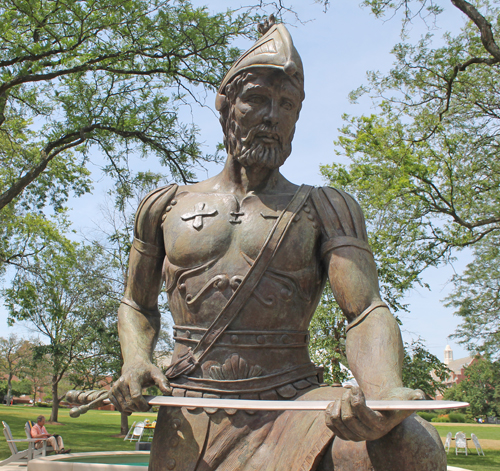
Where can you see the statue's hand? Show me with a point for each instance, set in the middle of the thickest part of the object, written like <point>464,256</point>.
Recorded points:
<point>126,393</point>
<point>351,419</point>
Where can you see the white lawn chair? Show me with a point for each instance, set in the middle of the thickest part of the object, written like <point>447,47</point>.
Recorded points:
<point>478,446</point>
<point>447,443</point>
<point>136,435</point>
<point>460,442</point>
<point>17,455</point>
<point>129,433</point>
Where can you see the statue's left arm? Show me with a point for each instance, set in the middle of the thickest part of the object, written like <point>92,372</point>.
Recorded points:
<point>374,347</point>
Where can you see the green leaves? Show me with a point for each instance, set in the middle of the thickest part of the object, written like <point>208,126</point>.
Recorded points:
<point>104,79</point>
<point>68,295</point>
<point>327,342</point>
<point>480,388</point>
<point>422,370</point>
<point>476,299</point>
<point>106,74</point>
<point>425,168</point>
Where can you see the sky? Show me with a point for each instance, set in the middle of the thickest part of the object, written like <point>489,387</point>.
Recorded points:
<point>337,49</point>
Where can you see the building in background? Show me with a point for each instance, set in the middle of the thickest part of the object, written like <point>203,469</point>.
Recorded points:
<point>457,368</point>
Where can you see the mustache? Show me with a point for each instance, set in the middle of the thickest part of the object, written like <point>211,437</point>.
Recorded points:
<point>263,129</point>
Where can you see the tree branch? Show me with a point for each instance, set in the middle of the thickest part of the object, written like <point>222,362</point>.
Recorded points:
<point>3,104</point>
<point>152,143</point>
<point>65,142</point>
<point>75,138</point>
<point>37,57</point>
<point>484,26</point>
<point>92,65</point>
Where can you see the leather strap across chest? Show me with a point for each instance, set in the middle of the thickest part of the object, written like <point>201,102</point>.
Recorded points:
<point>190,360</point>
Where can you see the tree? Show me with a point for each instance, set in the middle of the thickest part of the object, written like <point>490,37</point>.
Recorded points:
<point>480,388</point>
<point>97,78</point>
<point>327,342</point>
<point>476,298</point>
<point>25,232</point>
<point>67,298</point>
<point>422,370</point>
<point>37,369</point>
<point>425,167</point>
<point>14,352</point>
<point>107,73</point>
<point>20,359</point>
<point>15,388</point>
<point>115,235</point>
<point>101,361</point>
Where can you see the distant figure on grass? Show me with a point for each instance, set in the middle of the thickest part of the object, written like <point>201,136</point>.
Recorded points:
<point>39,431</point>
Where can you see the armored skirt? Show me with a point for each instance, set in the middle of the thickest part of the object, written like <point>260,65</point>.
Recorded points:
<point>206,440</point>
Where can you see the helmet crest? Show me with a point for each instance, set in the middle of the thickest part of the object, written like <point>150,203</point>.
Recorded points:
<point>273,50</point>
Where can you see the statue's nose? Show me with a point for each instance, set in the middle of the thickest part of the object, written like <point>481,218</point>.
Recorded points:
<point>271,117</point>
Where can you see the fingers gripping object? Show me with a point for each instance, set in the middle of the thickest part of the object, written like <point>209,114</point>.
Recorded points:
<point>352,419</point>
<point>89,400</point>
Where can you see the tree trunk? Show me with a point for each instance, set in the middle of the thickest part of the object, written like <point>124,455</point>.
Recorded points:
<point>124,424</point>
<point>55,400</point>
<point>9,389</point>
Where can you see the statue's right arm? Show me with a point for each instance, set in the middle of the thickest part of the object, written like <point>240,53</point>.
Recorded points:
<point>139,319</point>
<point>374,348</point>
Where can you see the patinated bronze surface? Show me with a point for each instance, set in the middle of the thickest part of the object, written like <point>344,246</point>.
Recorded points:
<point>244,257</point>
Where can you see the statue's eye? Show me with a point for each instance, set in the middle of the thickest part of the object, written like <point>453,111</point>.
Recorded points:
<point>287,105</point>
<point>256,99</point>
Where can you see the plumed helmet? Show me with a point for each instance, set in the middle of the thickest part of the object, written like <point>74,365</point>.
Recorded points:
<point>274,50</point>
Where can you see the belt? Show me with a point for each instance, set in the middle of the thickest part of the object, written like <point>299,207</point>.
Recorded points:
<point>245,338</point>
<point>259,384</point>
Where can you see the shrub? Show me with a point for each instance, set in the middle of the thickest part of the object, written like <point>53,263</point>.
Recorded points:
<point>441,418</point>
<point>457,417</point>
<point>427,415</point>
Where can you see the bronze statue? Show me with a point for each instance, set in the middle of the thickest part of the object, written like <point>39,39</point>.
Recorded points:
<point>244,257</point>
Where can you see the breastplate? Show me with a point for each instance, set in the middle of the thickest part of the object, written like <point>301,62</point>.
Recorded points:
<point>211,241</point>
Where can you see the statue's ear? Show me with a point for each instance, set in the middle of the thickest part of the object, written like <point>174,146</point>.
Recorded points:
<point>221,102</point>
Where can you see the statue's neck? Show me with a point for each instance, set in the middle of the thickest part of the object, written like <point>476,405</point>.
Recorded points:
<point>241,180</point>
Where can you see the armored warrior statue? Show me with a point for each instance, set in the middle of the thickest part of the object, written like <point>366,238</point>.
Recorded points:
<point>244,257</point>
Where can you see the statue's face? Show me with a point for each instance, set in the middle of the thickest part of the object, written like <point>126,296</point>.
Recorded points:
<point>263,116</point>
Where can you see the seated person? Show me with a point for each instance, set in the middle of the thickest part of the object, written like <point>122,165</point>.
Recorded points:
<point>39,431</point>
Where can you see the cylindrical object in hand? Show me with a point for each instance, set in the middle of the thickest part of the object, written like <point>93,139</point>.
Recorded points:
<point>86,397</point>
<point>89,400</point>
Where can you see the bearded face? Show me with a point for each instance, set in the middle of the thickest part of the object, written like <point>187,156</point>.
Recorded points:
<point>261,145</point>
<point>261,121</point>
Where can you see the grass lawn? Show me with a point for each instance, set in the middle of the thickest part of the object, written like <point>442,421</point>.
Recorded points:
<point>489,437</point>
<point>483,431</point>
<point>489,462</point>
<point>90,432</point>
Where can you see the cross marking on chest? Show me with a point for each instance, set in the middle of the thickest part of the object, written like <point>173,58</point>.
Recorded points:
<point>236,215</point>
<point>198,215</point>
<point>269,216</point>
